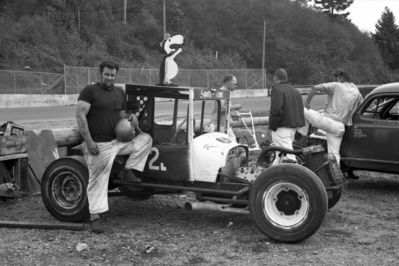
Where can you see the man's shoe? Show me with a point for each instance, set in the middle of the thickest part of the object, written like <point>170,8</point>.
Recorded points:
<point>128,175</point>
<point>97,226</point>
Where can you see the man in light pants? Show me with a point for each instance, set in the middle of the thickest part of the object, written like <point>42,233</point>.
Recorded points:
<point>100,106</point>
<point>286,114</point>
<point>343,98</point>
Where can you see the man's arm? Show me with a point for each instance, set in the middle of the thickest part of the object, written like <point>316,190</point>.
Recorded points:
<point>82,108</point>
<point>134,122</point>
<point>315,89</point>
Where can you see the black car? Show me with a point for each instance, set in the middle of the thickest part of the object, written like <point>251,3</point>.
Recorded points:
<point>371,142</point>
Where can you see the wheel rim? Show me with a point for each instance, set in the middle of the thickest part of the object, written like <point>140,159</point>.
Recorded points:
<point>67,190</point>
<point>285,205</point>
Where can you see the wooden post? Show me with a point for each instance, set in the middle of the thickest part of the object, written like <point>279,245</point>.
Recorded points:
<point>263,54</point>
<point>164,17</point>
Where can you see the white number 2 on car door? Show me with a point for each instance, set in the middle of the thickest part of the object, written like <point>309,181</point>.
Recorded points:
<point>153,160</point>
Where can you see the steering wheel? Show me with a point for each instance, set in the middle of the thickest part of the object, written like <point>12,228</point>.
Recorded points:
<point>178,128</point>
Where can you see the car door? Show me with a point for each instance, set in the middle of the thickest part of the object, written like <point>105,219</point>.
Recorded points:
<point>169,155</point>
<point>372,142</point>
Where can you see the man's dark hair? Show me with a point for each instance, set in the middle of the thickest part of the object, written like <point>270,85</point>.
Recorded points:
<point>228,78</point>
<point>281,74</point>
<point>339,72</point>
<point>109,64</point>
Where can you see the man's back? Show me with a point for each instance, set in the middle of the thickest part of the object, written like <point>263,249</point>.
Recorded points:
<point>286,107</point>
<point>343,98</point>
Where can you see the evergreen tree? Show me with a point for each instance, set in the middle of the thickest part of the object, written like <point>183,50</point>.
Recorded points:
<point>387,38</point>
<point>334,7</point>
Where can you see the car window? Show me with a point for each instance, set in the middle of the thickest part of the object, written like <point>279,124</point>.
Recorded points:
<point>394,110</point>
<point>163,111</point>
<point>203,113</point>
<point>384,108</point>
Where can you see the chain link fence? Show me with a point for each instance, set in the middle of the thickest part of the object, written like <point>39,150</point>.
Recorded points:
<point>26,82</point>
<point>75,79</point>
<point>78,77</point>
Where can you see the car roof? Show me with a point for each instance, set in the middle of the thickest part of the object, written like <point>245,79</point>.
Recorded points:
<point>386,88</point>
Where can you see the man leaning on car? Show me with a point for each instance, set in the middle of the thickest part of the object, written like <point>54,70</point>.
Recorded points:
<point>343,98</point>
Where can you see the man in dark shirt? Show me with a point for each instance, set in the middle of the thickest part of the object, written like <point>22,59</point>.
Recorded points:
<point>286,113</point>
<point>100,106</point>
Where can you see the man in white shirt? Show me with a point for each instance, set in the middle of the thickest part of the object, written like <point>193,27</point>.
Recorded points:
<point>343,98</point>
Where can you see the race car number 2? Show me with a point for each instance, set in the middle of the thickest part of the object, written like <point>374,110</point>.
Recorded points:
<point>152,163</point>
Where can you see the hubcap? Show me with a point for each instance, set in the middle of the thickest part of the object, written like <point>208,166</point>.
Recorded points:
<point>285,205</point>
<point>67,189</point>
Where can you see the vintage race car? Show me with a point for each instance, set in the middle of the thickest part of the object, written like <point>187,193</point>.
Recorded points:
<point>287,202</point>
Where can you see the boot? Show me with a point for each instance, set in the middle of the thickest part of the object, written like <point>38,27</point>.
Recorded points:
<point>97,226</point>
<point>128,175</point>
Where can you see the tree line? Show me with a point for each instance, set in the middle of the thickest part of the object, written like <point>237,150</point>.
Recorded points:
<point>308,40</point>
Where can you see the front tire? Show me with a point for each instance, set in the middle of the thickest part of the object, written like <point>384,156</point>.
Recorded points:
<point>288,202</point>
<point>63,189</point>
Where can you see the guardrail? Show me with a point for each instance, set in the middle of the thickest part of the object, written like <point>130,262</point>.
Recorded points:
<point>46,100</point>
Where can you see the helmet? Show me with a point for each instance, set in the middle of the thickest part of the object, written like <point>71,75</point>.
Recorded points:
<point>124,130</point>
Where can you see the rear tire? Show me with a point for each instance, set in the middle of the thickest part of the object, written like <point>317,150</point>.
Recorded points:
<point>288,202</point>
<point>63,189</point>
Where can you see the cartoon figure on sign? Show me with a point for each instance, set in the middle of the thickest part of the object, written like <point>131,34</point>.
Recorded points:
<point>169,69</point>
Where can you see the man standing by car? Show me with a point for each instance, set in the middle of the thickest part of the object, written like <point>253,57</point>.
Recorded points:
<point>286,113</point>
<point>229,84</point>
<point>343,98</point>
<point>100,106</point>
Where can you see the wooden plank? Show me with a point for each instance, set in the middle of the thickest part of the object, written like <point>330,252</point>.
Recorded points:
<point>13,156</point>
<point>42,225</point>
<point>67,136</point>
<point>42,150</point>
<point>13,144</point>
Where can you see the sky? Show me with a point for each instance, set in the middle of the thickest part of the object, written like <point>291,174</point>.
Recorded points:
<point>366,13</point>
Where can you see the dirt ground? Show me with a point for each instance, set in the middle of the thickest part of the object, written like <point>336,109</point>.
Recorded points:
<point>362,229</point>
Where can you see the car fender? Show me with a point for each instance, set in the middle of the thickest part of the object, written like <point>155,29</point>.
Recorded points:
<point>210,151</point>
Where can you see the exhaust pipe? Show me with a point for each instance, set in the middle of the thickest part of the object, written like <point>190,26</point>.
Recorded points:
<point>213,206</point>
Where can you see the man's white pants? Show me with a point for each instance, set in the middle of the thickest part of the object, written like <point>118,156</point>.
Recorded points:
<point>334,129</point>
<point>100,166</point>
<point>283,137</point>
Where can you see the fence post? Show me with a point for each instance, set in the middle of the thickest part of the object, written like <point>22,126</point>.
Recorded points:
<point>88,76</point>
<point>207,77</point>
<point>149,78</point>
<point>15,85</point>
<point>246,78</point>
<point>264,81</point>
<point>41,82</point>
<point>130,76</point>
<point>65,81</point>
